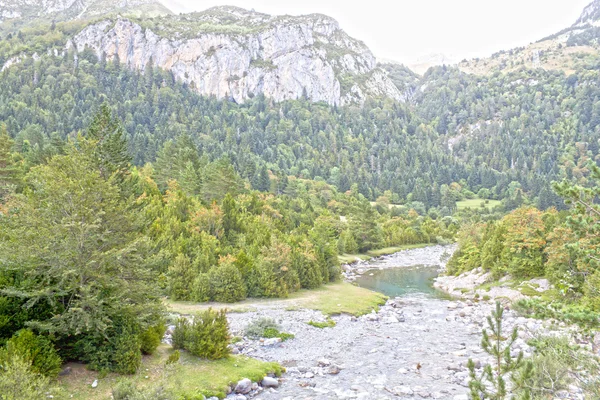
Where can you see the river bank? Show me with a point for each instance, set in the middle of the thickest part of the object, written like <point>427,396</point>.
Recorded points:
<point>415,346</point>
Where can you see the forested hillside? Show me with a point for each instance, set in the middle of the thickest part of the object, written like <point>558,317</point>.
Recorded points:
<point>125,186</point>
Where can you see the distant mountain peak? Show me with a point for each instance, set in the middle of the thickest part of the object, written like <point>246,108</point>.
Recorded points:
<point>590,14</point>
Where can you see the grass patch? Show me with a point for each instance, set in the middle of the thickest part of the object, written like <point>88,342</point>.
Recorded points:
<point>476,204</point>
<point>391,250</point>
<point>322,325</point>
<point>191,376</point>
<point>344,298</point>
<point>352,258</point>
<point>331,299</point>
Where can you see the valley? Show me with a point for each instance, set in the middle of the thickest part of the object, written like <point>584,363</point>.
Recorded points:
<point>229,204</point>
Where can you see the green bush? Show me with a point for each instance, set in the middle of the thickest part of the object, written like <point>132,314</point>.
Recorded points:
<point>18,381</point>
<point>180,333</point>
<point>173,358</point>
<point>257,328</point>
<point>35,349</point>
<point>118,349</point>
<point>127,355</point>
<point>556,364</point>
<point>206,337</point>
<point>226,284</point>
<point>201,288</point>
<point>151,337</point>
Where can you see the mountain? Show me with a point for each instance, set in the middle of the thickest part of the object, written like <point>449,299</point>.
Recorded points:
<point>61,10</point>
<point>233,53</point>
<point>590,15</point>
<point>226,52</point>
<point>423,63</point>
<point>569,50</point>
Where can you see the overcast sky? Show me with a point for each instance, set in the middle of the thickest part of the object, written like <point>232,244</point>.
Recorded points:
<point>404,30</point>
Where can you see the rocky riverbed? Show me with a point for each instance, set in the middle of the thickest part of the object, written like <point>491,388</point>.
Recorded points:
<point>416,346</point>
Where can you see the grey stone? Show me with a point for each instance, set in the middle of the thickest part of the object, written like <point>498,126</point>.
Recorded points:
<point>244,386</point>
<point>269,382</point>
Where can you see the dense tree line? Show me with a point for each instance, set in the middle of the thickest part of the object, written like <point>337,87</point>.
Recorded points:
<point>529,243</point>
<point>91,243</point>
<point>524,128</point>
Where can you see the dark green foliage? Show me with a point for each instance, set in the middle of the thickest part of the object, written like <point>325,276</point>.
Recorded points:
<point>226,284</point>
<point>119,351</point>
<point>36,350</point>
<point>266,328</point>
<point>371,147</point>
<point>9,171</point>
<point>180,333</point>
<point>109,144</point>
<point>151,337</point>
<point>557,364</point>
<point>207,336</point>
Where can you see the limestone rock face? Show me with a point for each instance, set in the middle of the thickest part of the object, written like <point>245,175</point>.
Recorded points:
<point>590,15</point>
<point>233,53</point>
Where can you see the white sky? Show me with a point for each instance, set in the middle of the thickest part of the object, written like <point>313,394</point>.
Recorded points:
<point>404,30</point>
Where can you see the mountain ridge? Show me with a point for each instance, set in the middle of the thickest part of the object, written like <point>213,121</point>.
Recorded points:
<point>566,50</point>
<point>233,53</point>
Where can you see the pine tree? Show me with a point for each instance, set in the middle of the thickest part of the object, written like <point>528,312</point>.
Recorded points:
<point>9,173</point>
<point>108,136</point>
<point>491,384</point>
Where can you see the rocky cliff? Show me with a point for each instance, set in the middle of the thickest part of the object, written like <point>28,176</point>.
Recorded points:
<point>590,15</point>
<point>233,53</point>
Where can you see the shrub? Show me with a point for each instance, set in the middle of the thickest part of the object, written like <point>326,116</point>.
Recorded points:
<point>201,291</point>
<point>179,334</point>
<point>173,358</point>
<point>118,349</point>
<point>556,365</point>
<point>18,381</point>
<point>256,329</point>
<point>34,349</point>
<point>151,337</point>
<point>226,284</point>
<point>127,355</point>
<point>207,336</point>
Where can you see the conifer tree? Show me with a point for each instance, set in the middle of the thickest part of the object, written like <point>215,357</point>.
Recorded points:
<point>9,172</point>
<point>492,383</point>
<point>108,136</point>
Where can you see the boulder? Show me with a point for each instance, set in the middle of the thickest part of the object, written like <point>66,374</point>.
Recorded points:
<point>244,386</point>
<point>269,382</point>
